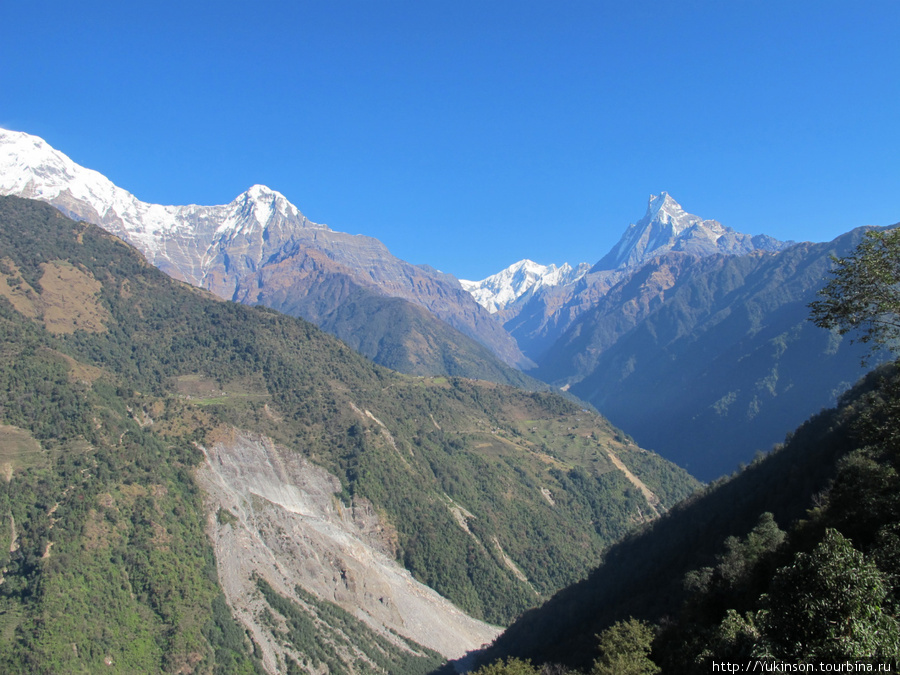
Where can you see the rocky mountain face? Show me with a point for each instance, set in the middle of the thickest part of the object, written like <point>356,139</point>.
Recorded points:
<point>692,337</point>
<point>258,249</point>
<point>288,530</point>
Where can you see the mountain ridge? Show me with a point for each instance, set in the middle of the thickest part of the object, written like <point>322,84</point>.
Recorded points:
<point>687,332</point>
<point>226,248</point>
<point>540,314</point>
<point>666,226</point>
<point>519,281</point>
<point>689,349</point>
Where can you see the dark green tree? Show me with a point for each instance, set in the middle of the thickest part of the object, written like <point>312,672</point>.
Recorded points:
<point>625,650</point>
<point>828,605</point>
<point>864,292</point>
<point>511,666</point>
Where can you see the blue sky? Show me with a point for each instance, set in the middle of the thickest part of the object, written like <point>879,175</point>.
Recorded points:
<point>468,135</point>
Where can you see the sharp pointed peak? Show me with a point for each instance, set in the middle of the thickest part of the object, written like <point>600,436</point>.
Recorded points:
<point>663,202</point>
<point>261,192</point>
<point>668,227</point>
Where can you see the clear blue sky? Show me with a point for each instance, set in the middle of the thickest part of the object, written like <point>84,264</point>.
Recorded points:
<point>471,134</point>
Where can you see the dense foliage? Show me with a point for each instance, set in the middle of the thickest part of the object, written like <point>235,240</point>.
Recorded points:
<point>826,592</point>
<point>863,294</point>
<point>104,557</point>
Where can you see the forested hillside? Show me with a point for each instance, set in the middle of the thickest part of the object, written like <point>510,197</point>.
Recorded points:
<point>114,381</point>
<point>794,560</point>
<point>396,333</point>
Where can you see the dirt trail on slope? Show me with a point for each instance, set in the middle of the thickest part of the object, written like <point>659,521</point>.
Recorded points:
<point>652,499</point>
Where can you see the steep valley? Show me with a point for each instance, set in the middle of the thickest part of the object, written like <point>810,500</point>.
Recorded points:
<point>237,490</point>
<point>725,575</point>
<point>689,335</point>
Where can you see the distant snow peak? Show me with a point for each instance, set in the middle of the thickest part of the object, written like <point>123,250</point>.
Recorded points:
<point>662,208</point>
<point>666,226</point>
<point>30,167</point>
<point>523,278</point>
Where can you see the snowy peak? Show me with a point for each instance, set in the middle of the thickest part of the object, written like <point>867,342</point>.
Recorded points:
<point>666,226</point>
<point>664,210</point>
<point>258,248</point>
<point>267,202</point>
<point>29,167</point>
<point>258,209</point>
<point>520,280</point>
<point>184,240</point>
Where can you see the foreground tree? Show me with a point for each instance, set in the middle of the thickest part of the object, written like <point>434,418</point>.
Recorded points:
<point>511,666</point>
<point>864,293</point>
<point>829,605</point>
<point>625,650</point>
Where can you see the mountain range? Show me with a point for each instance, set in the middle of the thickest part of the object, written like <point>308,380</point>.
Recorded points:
<point>683,334</point>
<point>691,336</point>
<point>539,303</point>
<point>260,249</point>
<point>195,485</point>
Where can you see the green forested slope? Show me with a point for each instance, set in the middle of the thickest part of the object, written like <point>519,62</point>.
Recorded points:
<point>792,560</point>
<point>110,372</point>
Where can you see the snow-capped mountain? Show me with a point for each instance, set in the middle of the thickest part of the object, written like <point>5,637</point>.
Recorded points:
<point>668,227</point>
<point>184,241</point>
<point>537,304</point>
<point>257,249</point>
<point>519,281</point>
